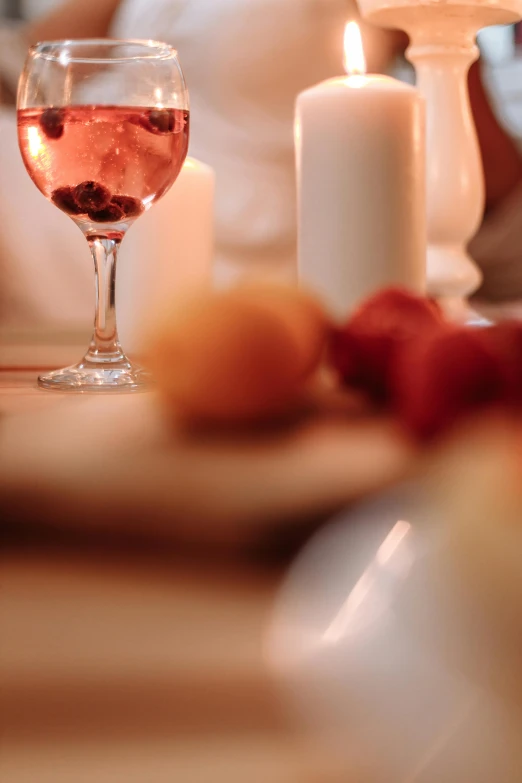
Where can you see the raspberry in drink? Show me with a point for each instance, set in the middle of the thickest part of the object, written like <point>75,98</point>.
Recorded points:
<point>103,164</point>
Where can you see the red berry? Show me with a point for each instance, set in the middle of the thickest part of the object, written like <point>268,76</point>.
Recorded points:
<point>344,353</point>
<point>91,195</point>
<point>64,198</point>
<point>442,376</point>
<point>506,339</point>
<point>363,352</point>
<point>52,123</point>
<point>112,213</point>
<point>160,121</point>
<point>131,207</point>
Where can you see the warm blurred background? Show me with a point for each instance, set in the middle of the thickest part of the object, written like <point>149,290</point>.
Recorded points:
<point>149,629</point>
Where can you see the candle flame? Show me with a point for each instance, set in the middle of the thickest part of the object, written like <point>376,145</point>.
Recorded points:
<point>354,60</point>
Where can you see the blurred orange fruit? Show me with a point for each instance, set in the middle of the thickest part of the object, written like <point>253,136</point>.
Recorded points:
<point>238,354</point>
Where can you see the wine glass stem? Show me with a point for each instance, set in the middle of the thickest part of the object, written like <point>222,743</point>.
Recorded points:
<point>105,347</point>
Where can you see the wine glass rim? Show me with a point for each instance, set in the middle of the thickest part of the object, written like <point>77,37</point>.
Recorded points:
<point>54,50</point>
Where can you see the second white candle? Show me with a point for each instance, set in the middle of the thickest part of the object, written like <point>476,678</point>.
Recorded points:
<point>360,149</point>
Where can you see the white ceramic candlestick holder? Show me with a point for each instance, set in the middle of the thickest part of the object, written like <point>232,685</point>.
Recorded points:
<point>442,35</point>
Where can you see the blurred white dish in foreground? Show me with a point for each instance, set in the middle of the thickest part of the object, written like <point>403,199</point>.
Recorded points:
<point>388,656</point>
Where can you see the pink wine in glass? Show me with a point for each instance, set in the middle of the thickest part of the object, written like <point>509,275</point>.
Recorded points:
<point>103,160</point>
<point>103,164</point>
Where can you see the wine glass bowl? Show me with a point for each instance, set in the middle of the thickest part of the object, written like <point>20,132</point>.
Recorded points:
<point>103,129</point>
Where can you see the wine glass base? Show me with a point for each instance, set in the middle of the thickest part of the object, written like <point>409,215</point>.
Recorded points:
<point>90,377</point>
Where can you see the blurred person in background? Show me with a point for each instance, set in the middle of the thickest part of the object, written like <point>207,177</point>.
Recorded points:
<point>245,62</point>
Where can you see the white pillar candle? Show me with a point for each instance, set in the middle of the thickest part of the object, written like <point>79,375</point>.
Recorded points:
<point>360,151</point>
<point>168,249</point>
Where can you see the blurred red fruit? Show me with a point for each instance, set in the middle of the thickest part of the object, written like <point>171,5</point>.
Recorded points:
<point>363,352</point>
<point>445,375</point>
<point>506,339</point>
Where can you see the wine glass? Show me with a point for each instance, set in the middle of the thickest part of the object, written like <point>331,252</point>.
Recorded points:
<point>103,128</point>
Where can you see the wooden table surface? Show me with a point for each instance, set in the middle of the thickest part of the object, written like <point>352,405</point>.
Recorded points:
<point>127,658</point>
<point>119,663</point>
